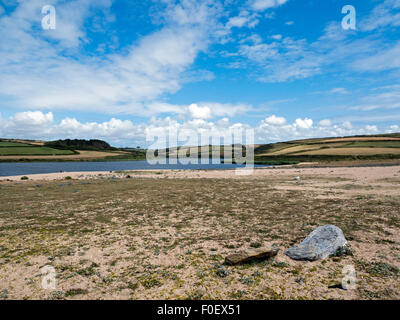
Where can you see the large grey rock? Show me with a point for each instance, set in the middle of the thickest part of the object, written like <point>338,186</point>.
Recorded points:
<point>251,254</point>
<point>319,244</point>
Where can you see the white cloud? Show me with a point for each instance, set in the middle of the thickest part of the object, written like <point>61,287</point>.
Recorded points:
<point>339,90</point>
<point>199,112</point>
<point>243,19</point>
<point>385,59</point>
<point>383,15</point>
<point>38,125</point>
<point>347,125</point>
<point>325,123</point>
<point>371,128</point>
<point>37,73</point>
<point>274,120</point>
<point>387,97</point>
<point>33,118</point>
<point>261,5</point>
<point>304,123</point>
<point>292,59</point>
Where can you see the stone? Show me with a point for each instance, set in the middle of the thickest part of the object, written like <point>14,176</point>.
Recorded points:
<point>4,294</point>
<point>251,254</point>
<point>319,244</point>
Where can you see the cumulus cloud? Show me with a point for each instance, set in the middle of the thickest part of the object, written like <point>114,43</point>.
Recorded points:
<point>39,125</point>
<point>33,118</point>
<point>274,120</point>
<point>304,123</point>
<point>199,112</point>
<point>371,128</point>
<point>393,128</point>
<point>347,125</point>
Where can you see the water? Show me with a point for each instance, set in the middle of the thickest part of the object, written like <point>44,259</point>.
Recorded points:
<point>26,168</point>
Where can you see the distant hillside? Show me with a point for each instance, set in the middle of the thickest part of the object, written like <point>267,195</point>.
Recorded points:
<point>373,147</point>
<point>79,144</point>
<point>65,150</point>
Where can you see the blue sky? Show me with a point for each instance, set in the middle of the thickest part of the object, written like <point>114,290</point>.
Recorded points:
<point>120,69</point>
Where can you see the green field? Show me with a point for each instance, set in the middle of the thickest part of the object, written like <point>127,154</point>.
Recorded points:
<point>335,149</point>
<point>31,150</point>
<point>13,144</point>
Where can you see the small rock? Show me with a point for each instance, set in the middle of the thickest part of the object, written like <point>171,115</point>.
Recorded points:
<point>222,272</point>
<point>298,178</point>
<point>4,294</point>
<point>319,244</point>
<point>299,280</point>
<point>56,295</point>
<point>251,254</point>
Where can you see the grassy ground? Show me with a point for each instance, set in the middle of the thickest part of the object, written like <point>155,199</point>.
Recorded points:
<point>13,144</point>
<point>30,150</point>
<point>336,149</point>
<point>352,151</point>
<point>156,238</point>
<point>17,151</point>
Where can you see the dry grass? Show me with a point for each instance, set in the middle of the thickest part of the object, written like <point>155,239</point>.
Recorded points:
<point>159,238</point>
<point>352,151</point>
<point>83,154</point>
<point>297,149</point>
<point>362,139</point>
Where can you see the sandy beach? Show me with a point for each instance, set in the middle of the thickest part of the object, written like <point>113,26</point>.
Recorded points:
<point>164,234</point>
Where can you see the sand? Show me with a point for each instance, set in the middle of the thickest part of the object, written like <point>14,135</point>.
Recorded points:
<point>362,174</point>
<point>163,234</point>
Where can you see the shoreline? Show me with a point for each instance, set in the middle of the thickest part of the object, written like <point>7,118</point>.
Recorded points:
<point>364,173</point>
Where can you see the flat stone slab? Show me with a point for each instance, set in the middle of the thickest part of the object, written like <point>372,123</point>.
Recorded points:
<point>251,254</point>
<point>319,244</point>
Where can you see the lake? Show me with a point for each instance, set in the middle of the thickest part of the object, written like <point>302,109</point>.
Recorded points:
<point>26,168</point>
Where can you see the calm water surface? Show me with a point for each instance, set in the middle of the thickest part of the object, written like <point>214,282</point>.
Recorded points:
<point>25,168</point>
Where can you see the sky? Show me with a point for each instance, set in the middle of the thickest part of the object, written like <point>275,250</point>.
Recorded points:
<point>121,70</point>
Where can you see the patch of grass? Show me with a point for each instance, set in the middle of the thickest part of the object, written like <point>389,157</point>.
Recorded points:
<point>13,144</point>
<point>34,151</point>
<point>255,245</point>
<point>150,281</point>
<point>75,292</point>
<point>280,264</point>
<point>133,286</point>
<point>247,280</point>
<point>378,269</point>
<point>346,250</point>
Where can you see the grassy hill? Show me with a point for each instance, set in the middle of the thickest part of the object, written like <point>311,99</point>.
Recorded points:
<point>374,147</point>
<point>64,150</point>
<point>9,148</point>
